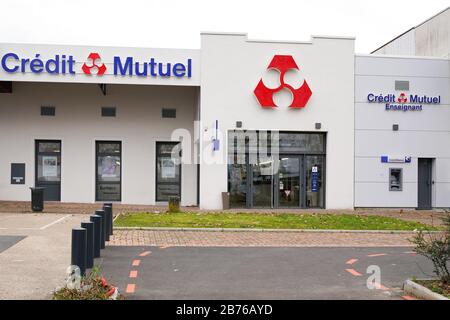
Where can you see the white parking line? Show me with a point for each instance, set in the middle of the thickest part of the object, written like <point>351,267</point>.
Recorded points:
<point>54,222</point>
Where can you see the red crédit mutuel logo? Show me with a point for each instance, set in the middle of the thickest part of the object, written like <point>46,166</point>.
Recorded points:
<point>300,96</point>
<point>91,67</point>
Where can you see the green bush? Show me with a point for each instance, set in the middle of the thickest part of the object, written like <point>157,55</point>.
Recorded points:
<point>436,247</point>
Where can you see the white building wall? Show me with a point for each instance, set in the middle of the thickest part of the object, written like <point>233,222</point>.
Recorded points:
<point>78,123</point>
<point>231,69</point>
<point>422,134</point>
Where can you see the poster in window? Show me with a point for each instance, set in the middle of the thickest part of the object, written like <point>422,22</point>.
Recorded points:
<point>109,167</point>
<point>49,166</point>
<point>315,179</point>
<point>167,169</point>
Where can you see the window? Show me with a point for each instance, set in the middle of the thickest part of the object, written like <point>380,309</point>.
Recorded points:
<point>401,85</point>
<point>108,170</point>
<point>168,170</point>
<point>48,111</point>
<point>108,111</point>
<point>395,179</point>
<point>301,142</point>
<point>48,168</point>
<point>169,113</point>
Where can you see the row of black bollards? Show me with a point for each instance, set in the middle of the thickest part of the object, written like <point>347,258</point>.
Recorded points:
<point>88,240</point>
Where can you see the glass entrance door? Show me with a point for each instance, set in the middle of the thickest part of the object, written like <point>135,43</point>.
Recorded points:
<point>48,168</point>
<point>276,169</point>
<point>289,191</point>
<point>262,179</point>
<point>314,170</point>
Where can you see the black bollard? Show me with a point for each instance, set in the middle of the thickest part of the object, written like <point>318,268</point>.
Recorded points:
<point>79,249</point>
<point>109,204</point>
<point>109,220</point>
<point>97,220</point>
<point>89,226</point>
<point>102,214</point>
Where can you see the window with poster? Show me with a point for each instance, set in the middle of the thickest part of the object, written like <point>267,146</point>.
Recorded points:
<point>48,168</point>
<point>168,170</point>
<point>108,171</point>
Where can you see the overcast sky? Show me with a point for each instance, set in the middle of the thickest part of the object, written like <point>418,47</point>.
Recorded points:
<point>177,23</point>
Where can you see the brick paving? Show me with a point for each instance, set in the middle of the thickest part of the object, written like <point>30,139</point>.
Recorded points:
<point>243,238</point>
<point>256,239</point>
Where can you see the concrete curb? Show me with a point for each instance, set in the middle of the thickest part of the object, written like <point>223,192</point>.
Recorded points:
<point>421,292</point>
<point>269,230</point>
<point>115,218</point>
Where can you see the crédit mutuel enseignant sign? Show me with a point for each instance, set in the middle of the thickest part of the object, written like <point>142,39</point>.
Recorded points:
<point>411,102</point>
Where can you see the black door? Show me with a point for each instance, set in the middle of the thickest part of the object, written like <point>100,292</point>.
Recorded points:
<point>424,183</point>
<point>48,168</point>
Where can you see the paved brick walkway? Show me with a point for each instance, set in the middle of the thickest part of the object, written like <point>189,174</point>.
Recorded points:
<point>256,239</point>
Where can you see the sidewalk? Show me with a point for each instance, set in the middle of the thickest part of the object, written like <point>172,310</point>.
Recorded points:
<point>34,266</point>
<point>257,239</point>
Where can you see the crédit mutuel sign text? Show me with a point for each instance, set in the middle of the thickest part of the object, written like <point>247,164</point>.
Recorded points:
<point>121,66</point>
<point>403,102</point>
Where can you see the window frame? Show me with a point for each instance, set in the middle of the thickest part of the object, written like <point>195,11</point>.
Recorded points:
<point>97,182</point>
<point>157,156</point>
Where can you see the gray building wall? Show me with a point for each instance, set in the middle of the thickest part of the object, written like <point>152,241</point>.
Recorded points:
<point>430,38</point>
<point>421,134</point>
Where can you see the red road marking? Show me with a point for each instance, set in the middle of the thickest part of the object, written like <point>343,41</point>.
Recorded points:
<point>377,255</point>
<point>410,252</point>
<point>136,263</point>
<point>409,298</point>
<point>354,272</point>
<point>130,288</point>
<point>133,274</point>
<point>351,261</point>
<point>379,286</point>
<point>146,253</point>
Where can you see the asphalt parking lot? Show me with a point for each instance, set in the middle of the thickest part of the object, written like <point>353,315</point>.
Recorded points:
<point>260,273</point>
<point>8,241</point>
<point>34,253</point>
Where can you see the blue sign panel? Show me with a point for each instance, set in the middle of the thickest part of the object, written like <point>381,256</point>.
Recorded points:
<point>391,159</point>
<point>314,179</point>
